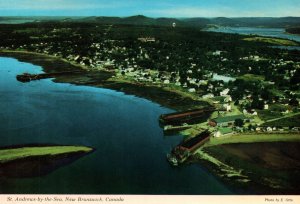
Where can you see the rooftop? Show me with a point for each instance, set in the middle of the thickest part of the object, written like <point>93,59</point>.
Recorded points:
<point>225,131</point>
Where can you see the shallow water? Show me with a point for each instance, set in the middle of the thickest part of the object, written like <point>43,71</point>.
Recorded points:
<point>270,32</point>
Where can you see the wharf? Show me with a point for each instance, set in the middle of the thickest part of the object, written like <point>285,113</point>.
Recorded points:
<point>189,116</point>
<point>186,148</point>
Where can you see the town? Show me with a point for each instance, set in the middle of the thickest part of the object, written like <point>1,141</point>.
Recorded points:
<point>254,88</point>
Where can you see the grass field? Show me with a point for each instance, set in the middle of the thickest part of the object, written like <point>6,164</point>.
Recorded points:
<point>293,121</point>
<point>274,41</point>
<point>268,168</point>
<point>252,77</point>
<point>7,155</point>
<point>252,138</point>
<point>268,114</point>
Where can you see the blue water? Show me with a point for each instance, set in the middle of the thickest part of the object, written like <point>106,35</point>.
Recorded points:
<point>270,32</point>
<point>287,47</point>
<point>130,156</point>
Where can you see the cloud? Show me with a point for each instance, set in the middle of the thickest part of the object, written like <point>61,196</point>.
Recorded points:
<point>154,8</point>
<point>190,12</point>
<point>55,5</point>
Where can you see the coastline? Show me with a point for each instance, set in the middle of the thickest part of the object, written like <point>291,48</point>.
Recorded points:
<point>161,94</point>
<point>164,96</point>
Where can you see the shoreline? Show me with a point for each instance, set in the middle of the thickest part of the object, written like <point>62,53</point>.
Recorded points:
<point>176,99</point>
<point>38,160</point>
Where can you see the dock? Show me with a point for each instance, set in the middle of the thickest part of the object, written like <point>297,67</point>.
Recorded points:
<point>188,117</point>
<point>171,130</point>
<point>26,77</point>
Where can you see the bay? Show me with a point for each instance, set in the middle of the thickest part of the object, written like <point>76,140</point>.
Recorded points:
<point>130,156</point>
<point>269,32</point>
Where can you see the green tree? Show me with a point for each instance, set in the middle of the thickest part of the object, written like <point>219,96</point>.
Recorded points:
<point>239,122</point>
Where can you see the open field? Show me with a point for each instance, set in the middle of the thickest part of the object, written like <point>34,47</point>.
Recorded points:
<point>253,138</point>
<point>269,168</point>
<point>274,41</point>
<point>268,114</point>
<point>293,121</point>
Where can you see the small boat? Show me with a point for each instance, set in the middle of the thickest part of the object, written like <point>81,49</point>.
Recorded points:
<point>172,159</point>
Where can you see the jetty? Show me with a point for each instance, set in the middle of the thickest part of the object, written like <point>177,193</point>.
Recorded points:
<point>26,77</point>
<point>171,130</point>
<point>188,117</point>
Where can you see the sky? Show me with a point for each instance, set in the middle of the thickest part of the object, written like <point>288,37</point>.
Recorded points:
<point>151,8</point>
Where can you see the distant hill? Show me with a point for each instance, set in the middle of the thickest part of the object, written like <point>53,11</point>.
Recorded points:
<point>200,22</point>
<point>247,22</point>
<point>284,22</point>
<point>135,20</point>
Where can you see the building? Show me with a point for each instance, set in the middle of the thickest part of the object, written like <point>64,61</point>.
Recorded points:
<point>226,121</point>
<point>187,147</point>
<point>192,90</point>
<point>266,107</point>
<point>222,132</point>
<point>224,92</point>
<point>193,143</point>
<point>227,107</point>
<point>209,95</point>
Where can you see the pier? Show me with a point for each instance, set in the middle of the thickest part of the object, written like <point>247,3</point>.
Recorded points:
<point>188,117</point>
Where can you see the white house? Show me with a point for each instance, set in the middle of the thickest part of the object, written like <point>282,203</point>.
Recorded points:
<point>217,134</point>
<point>209,95</point>
<point>266,106</point>
<point>227,107</point>
<point>166,81</point>
<point>228,99</point>
<point>224,92</point>
<point>192,90</point>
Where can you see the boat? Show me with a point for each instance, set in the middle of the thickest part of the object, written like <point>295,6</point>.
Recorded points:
<point>172,159</point>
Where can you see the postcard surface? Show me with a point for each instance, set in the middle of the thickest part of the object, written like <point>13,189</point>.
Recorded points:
<point>125,101</point>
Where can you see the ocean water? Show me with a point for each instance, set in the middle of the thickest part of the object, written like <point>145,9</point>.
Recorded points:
<point>130,156</point>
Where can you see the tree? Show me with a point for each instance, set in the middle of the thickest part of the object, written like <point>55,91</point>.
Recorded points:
<point>266,95</point>
<point>250,127</point>
<point>294,101</point>
<point>257,104</point>
<point>239,122</point>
